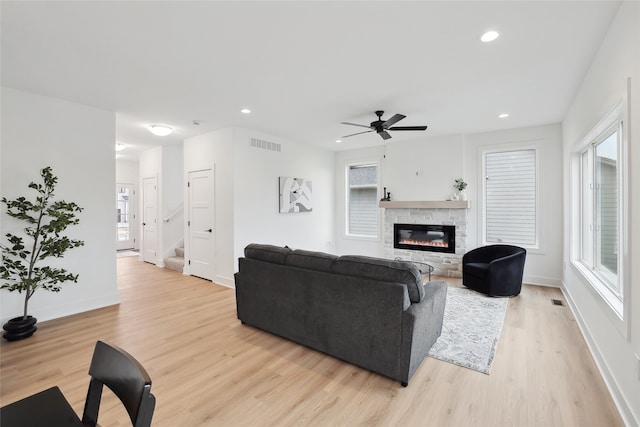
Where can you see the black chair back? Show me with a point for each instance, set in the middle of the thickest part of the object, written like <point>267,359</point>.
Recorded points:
<point>126,378</point>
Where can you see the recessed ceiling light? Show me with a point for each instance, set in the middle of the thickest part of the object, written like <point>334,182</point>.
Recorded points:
<point>503,116</point>
<point>160,130</point>
<point>120,146</point>
<point>245,111</point>
<point>490,36</point>
<point>338,141</point>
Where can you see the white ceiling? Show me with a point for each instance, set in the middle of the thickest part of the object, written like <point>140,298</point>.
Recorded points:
<point>304,67</point>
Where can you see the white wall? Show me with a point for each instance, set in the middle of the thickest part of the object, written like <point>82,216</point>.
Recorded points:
<point>544,264</point>
<point>77,142</point>
<point>603,87</point>
<point>127,172</point>
<point>256,189</point>
<point>423,169</point>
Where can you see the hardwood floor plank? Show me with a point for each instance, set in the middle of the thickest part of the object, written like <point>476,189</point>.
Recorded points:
<point>208,369</point>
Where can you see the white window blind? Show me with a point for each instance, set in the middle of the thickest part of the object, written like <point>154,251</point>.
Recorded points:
<point>363,200</point>
<point>510,197</point>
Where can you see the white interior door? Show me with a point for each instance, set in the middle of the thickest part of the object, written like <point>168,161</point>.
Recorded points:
<point>200,224</point>
<point>125,216</point>
<point>149,220</point>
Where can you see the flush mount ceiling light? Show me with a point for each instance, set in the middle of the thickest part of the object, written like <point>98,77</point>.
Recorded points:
<point>489,36</point>
<point>160,130</point>
<point>245,111</point>
<point>503,115</point>
<point>120,146</point>
<point>338,141</point>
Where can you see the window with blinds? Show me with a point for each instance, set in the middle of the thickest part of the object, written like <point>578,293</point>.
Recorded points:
<point>362,200</point>
<point>510,198</point>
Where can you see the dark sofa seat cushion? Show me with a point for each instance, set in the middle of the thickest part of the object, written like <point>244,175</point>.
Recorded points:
<point>318,261</point>
<point>269,253</point>
<point>384,270</point>
<point>477,269</point>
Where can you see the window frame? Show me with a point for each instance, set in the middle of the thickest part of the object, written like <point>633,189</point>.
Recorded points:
<point>483,209</point>
<point>616,301</point>
<point>347,209</point>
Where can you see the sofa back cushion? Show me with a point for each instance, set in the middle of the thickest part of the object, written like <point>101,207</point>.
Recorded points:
<point>318,261</point>
<point>385,270</point>
<point>269,253</point>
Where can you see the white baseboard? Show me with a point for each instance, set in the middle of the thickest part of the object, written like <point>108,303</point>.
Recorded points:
<point>76,307</point>
<point>612,385</point>
<point>225,281</point>
<point>542,281</point>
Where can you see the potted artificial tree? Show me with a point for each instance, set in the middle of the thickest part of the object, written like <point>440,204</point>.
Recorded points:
<point>21,268</point>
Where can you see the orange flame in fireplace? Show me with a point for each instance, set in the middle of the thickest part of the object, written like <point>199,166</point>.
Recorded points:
<point>435,243</point>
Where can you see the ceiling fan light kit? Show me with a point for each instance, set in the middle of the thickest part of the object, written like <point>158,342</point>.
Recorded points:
<point>381,127</point>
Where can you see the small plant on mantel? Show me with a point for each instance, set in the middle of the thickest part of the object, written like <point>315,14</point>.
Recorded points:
<point>21,271</point>
<point>460,184</point>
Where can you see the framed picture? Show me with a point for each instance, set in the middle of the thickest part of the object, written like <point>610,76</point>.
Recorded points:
<point>295,195</point>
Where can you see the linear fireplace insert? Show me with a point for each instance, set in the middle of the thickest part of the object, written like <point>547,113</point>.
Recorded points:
<point>424,237</point>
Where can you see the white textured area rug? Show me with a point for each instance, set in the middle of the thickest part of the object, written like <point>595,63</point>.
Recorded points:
<point>471,329</point>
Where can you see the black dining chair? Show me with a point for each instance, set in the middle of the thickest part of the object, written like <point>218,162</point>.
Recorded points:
<point>126,378</point>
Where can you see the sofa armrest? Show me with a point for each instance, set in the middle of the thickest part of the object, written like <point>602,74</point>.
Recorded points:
<point>421,327</point>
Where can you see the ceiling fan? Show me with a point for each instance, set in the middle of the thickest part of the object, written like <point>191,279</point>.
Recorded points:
<point>382,126</point>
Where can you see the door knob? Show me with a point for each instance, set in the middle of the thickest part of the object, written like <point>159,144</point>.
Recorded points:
<point>209,230</point>
<point>144,223</point>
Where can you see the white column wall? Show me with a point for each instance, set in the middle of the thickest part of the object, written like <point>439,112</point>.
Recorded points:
<point>77,141</point>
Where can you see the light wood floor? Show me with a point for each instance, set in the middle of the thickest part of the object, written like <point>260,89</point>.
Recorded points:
<point>208,369</point>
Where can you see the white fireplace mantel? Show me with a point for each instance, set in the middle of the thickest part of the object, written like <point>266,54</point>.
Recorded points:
<point>435,204</point>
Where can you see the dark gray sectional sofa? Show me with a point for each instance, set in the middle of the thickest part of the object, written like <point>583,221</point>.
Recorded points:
<point>372,312</point>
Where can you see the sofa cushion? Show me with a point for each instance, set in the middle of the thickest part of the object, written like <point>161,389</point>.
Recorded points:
<point>385,270</point>
<point>269,253</point>
<point>318,261</point>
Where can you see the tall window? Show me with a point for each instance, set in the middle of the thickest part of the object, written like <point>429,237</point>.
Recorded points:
<point>599,194</point>
<point>599,206</point>
<point>510,198</point>
<point>362,200</point>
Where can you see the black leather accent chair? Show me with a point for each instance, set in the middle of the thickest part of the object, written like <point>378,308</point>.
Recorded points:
<point>495,270</point>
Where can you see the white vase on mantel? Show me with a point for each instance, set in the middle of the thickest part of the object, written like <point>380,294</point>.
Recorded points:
<point>455,197</point>
<point>462,195</point>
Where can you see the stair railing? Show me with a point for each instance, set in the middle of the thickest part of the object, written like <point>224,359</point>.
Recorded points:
<point>173,213</point>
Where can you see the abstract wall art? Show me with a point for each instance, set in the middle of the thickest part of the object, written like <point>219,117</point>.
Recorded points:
<point>295,195</point>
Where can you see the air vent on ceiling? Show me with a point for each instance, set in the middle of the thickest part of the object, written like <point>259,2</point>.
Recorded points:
<point>265,145</point>
<point>556,302</point>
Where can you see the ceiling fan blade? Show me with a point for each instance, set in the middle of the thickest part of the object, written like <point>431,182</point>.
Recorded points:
<point>408,128</point>
<point>353,134</point>
<point>355,124</point>
<point>395,119</point>
<point>384,135</point>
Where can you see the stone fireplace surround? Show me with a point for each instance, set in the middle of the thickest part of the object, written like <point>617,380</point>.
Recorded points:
<point>436,213</point>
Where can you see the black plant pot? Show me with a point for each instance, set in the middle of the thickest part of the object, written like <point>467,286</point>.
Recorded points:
<point>19,328</point>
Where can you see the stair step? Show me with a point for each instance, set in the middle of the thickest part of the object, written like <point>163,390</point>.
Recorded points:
<point>174,263</point>
<point>180,252</point>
